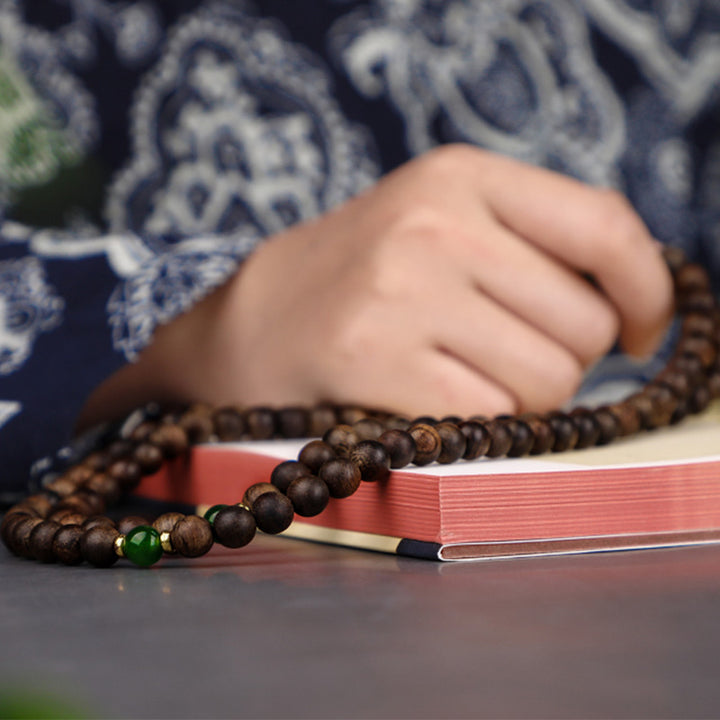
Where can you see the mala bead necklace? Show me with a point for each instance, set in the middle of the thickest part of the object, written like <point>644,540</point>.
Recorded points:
<point>65,522</point>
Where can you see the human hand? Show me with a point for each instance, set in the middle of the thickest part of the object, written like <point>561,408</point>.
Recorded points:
<point>456,285</point>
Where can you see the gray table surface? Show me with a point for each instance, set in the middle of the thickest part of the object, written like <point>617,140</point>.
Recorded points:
<point>291,629</point>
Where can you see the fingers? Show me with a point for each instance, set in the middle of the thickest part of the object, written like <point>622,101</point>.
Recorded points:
<point>594,231</point>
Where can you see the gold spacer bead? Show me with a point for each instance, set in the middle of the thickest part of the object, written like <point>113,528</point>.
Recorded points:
<point>120,546</point>
<point>244,505</point>
<point>166,543</point>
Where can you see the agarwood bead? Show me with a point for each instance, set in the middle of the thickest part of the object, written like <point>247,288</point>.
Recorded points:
<point>689,365</point>
<point>477,439</point>
<point>171,439</point>
<point>397,422</point>
<point>129,522</point>
<point>104,485</point>
<point>400,447</point>
<point>342,438</point>
<point>68,516</point>
<point>702,347</point>
<point>341,476</point>
<point>663,404</point>
<point>453,442</point>
<point>273,512</point>
<point>565,431</point>
<point>372,459</point>
<point>702,302</point>
<point>192,536</point>
<point>369,429</point>
<point>148,457</point>
<point>98,520</point>
<point>143,431</point>
<point>424,420</point>
<point>229,424</point>
<point>119,449</point>
<point>522,438</point>
<point>677,381</point>
<point>587,427</point>
<point>293,422</point>
<point>543,435</point>
<point>66,545</point>
<point>40,504</point>
<point>40,541</point>
<point>234,526</point>
<point>284,473</point>
<point>428,444</point>
<point>255,491</point>
<point>197,424</point>
<point>349,415</point>
<point>713,383</point>
<point>500,438</point>
<point>691,278</point>
<point>315,454</point>
<point>12,518</point>
<point>452,419</point>
<point>96,461</point>
<point>699,398</point>
<point>322,418</point>
<point>98,546</point>
<point>78,474</point>
<point>628,417</point>
<point>697,324</point>
<point>167,521</point>
<point>85,503</point>
<point>260,423</point>
<point>608,424</point>
<point>127,472</point>
<point>309,495</point>
<point>63,486</point>
<point>19,539</point>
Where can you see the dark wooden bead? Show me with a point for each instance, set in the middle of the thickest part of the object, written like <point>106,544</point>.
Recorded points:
<point>453,419</point>
<point>260,423</point>
<point>78,475</point>
<point>273,512</point>
<point>369,429</point>
<point>397,422</point>
<point>119,449</point>
<point>702,347</point>
<point>453,442</point>
<point>543,435</point>
<point>229,424</point>
<point>424,420</point>
<point>689,365</point>
<point>106,486</point>
<point>628,417</point>
<point>322,418</point>
<point>198,424</point>
<point>171,439</point>
<point>696,302</point>
<point>372,459</point>
<point>66,545</point>
<point>255,491</point>
<point>19,537</point>
<point>97,546</point>
<point>63,486</point>
<point>293,422</point>
<point>699,398</point>
<point>12,518</point>
<point>677,381</point>
<point>400,447</point>
<point>608,425</point>
<point>644,407</point>
<point>428,444</point>
<point>129,522</point>
<point>98,520</point>
<point>341,476</point>
<point>700,325</point>
<point>41,541</point>
<point>96,461</point>
<point>477,439</point>
<point>522,438</point>
<point>284,473</point>
<point>349,415</point>
<point>309,495</point>
<point>315,454</point>
<point>85,503</point>
<point>342,438</point>
<point>713,383</point>
<point>40,504</point>
<point>68,516</point>
<point>167,521</point>
<point>664,402</point>
<point>143,431</point>
<point>192,536</point>
<point>234,526</point>
<point>148,457</point>
<point>500,438</point>
<point>690,278</point>
<point>587,427</point>
<point>565,431</point>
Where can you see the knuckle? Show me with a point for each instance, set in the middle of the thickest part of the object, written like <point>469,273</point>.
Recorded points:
<point>621,225</point>
<point>559,382</point>
<point>450,159</point>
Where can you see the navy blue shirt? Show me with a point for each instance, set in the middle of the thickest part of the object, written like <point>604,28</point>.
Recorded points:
<point>147,147</point>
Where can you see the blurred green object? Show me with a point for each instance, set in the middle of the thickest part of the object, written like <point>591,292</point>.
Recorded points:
<point>29,704</point>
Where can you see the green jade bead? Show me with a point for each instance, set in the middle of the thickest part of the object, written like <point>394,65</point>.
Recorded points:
<point>142,546</point>
<point>212,512</point>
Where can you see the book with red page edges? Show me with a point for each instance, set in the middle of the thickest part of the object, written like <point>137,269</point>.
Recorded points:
<point>658,489</point>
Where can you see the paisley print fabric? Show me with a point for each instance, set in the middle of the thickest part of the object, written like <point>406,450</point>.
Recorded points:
<point>196,130</point>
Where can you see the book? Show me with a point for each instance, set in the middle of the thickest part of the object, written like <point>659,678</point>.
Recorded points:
<point>658,489</point>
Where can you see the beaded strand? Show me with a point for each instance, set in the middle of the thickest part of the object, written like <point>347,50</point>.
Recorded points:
<point>65,521</point>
